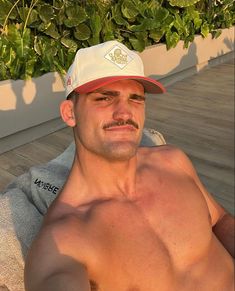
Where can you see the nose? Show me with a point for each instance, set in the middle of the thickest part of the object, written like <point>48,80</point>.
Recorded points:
<point>122,111</point>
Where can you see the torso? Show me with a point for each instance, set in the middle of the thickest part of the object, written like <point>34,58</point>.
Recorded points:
<point>162,240</point>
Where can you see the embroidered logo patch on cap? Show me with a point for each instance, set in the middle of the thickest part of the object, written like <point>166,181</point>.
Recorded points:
<point>118,57</point>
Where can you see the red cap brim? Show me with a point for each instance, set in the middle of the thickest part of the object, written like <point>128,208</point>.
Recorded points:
<point>150,85</point>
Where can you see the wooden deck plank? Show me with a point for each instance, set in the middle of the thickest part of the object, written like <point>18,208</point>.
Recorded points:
<point>36,152</point>
<point>58,140</point>
<point>5,178</point>
<point>15,164</point>
<point>196,114</point>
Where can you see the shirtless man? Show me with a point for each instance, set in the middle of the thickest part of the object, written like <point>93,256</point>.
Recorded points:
<point>128,218</point>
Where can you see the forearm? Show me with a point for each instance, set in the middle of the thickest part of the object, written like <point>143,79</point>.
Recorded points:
<point>59,282</point>
<point>225,232</point>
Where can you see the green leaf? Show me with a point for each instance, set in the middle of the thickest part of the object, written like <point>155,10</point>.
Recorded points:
<point>3,71</point>
<point>4,45</point>
<point>49,51</point>
<point>96,26</point>
<point>91,9</point>
<point>141,6</point>
<point>5,9</point>
<point>37,46</point>
<point>197,23</point>
<point>69,43</point>
<point>205,29</point>
<point>172,39</point>
<point>4,54</point>
<point>192,15</point>
<point>216,33</point>
<point>46,12</point>
<point>182,3</point>
<point>168,22</point>
<point>117,15</point>
<point>15,69</point>
<point>60,16</point>
<point>58,4</point>
<point>156,34</point>
<point>160,14</point>
<point>44,46</point>
<point>108,30</point>
<point>29,67</point>
<point>180,25</point>
<point>139,41</point>
<point>43,26</point>
<point>76,15</point>
<point>129,9</point>
<point>10,58</point>
<point>21,41</point>
<point>82,32</point>
<point>52,31</point>
<point>137,44</point>
<point>152,7</point>
<point>71,22</point>
<point>33,17</point>
<point>66,33</point>
<point>146,24</point>
<point>187,40</point>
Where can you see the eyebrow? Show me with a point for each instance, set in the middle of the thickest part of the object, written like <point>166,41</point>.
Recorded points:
<point>114,93</point>
<point>105,92</point>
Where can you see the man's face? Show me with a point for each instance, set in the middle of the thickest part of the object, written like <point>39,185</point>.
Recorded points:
<point>109,120</point>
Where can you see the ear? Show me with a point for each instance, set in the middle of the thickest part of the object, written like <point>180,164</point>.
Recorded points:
<point>67,112</point>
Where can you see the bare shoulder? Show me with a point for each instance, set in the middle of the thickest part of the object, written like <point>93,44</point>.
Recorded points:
<point>54,251</point>
<point>161,148</point>
<point>176,161</point>
<point>62,233</point>
<point>167,154</point>
<point>53,237</point>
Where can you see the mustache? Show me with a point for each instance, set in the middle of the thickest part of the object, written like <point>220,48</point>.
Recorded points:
<point>121,123</point>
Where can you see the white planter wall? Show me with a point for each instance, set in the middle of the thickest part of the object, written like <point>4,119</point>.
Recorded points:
<point>26,104</point>
<point>30,109</point>
<point>176,63</point>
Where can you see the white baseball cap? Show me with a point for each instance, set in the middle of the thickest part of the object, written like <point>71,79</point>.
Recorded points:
<point>105,63</point>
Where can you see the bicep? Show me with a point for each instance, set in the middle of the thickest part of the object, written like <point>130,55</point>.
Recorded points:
<point>49,267</point>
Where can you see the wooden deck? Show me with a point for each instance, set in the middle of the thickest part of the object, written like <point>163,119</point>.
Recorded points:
<point>197,115</point>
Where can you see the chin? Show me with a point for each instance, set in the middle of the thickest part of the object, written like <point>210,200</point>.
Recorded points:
<point>121,151</point>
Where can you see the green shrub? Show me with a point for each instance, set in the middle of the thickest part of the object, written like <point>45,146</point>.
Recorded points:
<point>42,36</point>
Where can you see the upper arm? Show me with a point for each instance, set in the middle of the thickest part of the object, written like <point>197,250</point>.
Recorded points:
<point>53,256</point>
<point>216,211</point>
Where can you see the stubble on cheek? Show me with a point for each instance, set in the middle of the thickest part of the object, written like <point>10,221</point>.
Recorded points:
<point>97,141</point>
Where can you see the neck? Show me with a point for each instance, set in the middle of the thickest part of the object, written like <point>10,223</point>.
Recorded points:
<point>94,177</point>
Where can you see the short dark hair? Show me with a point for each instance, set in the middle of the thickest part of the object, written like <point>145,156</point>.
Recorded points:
<point>73,96</point>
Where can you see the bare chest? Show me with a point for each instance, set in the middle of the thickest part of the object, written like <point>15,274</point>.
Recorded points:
<point>148,238</point>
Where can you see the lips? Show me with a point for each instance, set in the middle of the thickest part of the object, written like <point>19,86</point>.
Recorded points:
<point>121,128</point>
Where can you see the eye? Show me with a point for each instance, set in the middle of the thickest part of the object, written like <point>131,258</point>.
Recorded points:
<point>104,99</point>
<point>138,98</point>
